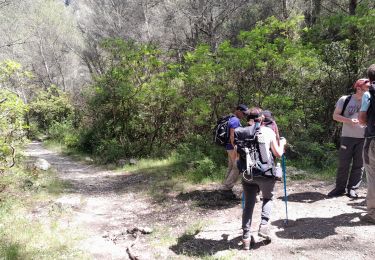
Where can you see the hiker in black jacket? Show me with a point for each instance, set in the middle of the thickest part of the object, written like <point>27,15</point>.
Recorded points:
<point>367,116</point>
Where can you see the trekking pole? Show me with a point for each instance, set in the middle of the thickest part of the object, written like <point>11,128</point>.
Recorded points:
<point>243,200</point>
<point>285,194</point>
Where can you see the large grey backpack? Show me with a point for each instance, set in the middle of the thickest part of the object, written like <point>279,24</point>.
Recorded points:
<point>255,159</point>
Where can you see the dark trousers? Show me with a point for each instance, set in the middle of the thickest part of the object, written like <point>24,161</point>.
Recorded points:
<point>350,153</point>
<point>250,190</point>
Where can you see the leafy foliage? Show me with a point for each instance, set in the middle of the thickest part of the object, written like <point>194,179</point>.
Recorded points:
<point>50,106</point>
<point>144,102</point>
<point>12,111</point>
<point>12,127</point>
<point>132,104</point>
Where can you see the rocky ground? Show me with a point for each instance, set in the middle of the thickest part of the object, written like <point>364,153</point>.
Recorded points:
<point>118,219</point>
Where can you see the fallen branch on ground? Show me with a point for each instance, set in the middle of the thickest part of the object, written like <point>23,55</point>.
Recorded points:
<point>129,250</point>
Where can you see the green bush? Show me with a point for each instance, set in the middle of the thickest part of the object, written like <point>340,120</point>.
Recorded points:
<point>200,159</point>
<point>12,127</point>
<point>49,107</point>
<point>64,133</point>
<point>71,139</point>
<point>205,170</point>
<point>316,155</point>
<point>57,130</point>
<point>109,150</point>
<point>86,142</point>
<point>33,131</point>
<point>195,147</point>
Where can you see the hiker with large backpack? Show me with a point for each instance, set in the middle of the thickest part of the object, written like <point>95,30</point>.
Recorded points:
<point>255,145</point>
<point>367,116</point>
<point>233,121</point>
<point>350,161</point>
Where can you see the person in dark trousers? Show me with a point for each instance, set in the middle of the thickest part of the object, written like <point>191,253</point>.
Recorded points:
<point>232,172</point>
<point>367,116</point>
<point>265,184</point>
<point>350,161</point>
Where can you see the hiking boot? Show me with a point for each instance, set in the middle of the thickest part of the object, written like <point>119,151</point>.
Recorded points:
<point>352,194</point>
<point>264,232</point>
<point>368,218</point>
<point>336,192</point>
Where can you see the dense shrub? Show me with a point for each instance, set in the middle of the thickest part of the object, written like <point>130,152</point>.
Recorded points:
<point>12,127</point>
<point>146,104</point>
<point>64,132</point>
<point>50,107</point>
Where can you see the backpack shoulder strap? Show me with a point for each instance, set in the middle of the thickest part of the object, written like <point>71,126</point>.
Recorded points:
<point>372,90</point>
<point>346,102</point>
<point>256,129</point>
<point>372,98</point>
<point>227,117</point>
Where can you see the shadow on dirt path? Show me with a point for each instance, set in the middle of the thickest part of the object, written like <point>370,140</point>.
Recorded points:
<point>105,205</point>
<point>209,199</point>
<point>312,227</point>
<point>305,197</point>
<point>199,247</point>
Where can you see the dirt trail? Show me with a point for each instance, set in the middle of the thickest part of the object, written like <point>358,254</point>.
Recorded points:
<point>106,205</point>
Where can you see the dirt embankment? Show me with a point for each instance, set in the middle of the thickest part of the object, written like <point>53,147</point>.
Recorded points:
<point>105,207</point>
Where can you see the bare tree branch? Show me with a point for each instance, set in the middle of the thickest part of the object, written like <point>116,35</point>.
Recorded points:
<point>340,7</point>
<point>16,42</point>
<point>4,3</point>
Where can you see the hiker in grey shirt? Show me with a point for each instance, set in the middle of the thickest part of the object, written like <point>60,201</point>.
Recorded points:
<point>351,142</point>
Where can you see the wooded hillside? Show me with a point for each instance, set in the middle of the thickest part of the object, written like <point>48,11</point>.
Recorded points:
<point>122,78</point>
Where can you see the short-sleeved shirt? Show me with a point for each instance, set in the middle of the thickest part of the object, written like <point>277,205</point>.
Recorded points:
<point>233,123</point>
<point>365,101</point>
<point>351,111</point>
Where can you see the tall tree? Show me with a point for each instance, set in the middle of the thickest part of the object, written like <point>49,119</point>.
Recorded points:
<point>353,46</point>
<point>205,20</point>
<point>285,9</point>
<point>41,41</point>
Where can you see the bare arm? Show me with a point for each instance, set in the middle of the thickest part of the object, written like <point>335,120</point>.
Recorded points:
<point>277,134</point>
<point>339,118</point>
<point>278,150</point>
<point>362,118</point>
<point>231,136</point>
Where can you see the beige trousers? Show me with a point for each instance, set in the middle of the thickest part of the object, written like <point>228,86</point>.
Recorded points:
<point>369,163</point>
<point>233,173</point>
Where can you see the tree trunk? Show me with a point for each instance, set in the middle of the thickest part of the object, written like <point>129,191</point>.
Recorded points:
<point>316,11</point>
<point>352,6</point>
<point>285,9</point>
<point>353,47</point>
